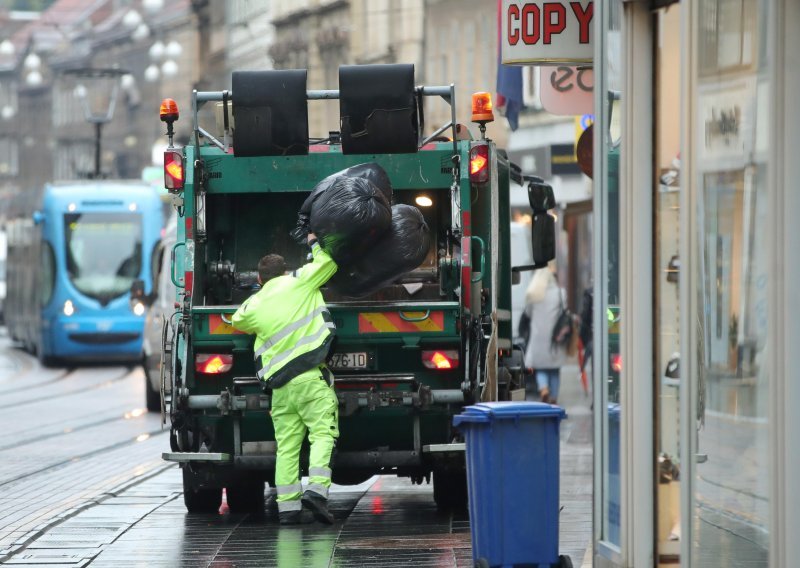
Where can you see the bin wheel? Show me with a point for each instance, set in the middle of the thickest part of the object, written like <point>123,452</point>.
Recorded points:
<point>564,561</point>
<point>246,497</point>
<point>482,563</point>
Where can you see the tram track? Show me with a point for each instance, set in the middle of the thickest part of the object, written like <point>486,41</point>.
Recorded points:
<point>70,430</point>
<point>85,455</point>
<point>65,393</point>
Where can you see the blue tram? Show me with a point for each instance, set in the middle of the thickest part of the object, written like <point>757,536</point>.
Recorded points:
<point>72,258</point>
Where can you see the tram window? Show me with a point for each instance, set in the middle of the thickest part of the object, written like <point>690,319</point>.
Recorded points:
<point>104,252</point>
<point>48,273</point>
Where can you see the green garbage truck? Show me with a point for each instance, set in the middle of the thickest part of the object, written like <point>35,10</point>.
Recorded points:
<point>409,356</point>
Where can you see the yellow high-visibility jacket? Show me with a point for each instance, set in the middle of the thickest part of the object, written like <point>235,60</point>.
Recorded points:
<point>293,328</point>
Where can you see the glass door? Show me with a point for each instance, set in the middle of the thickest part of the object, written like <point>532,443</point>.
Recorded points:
<point>730,467</point>
<point>667,186</point>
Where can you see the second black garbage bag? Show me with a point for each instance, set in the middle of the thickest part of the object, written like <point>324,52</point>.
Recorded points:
<point>350,215</point>
<point>401,249</point>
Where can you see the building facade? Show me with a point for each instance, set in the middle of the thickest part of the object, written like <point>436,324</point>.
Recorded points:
<point>697,438</point>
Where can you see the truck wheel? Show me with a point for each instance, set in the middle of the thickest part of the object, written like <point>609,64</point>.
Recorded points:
<point>246,497</point>
<point>152,396</point>
<point>450,489</point>
<point>205,500</point>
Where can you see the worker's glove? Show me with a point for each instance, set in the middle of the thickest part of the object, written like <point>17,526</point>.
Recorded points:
<point>300,232</point>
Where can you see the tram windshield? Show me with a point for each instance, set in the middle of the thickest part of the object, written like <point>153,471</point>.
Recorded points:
<point>104,252</point>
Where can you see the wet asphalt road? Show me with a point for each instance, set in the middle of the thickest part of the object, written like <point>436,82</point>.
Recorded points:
<point>82,483</point>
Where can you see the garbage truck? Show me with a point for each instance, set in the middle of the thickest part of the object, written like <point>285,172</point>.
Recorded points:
<point>409,356</point>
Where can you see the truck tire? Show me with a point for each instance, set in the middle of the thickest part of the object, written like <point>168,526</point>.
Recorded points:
<point>246,497</point>
<point>199,501</point>
<point>450,489</point>
<point>152,396</point>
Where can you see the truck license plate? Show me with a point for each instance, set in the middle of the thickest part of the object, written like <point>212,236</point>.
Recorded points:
<point>358,360</point>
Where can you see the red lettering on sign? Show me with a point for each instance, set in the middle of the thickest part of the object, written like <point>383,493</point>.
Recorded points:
<point>584,19</point>
<point>513,15</point>
<point>552,28</point>
<point>530,25</point>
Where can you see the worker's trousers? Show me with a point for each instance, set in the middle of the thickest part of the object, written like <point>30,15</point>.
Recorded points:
<point>306,404</point>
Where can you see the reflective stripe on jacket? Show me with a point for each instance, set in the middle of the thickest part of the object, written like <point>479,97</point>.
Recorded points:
<point>293,328</point>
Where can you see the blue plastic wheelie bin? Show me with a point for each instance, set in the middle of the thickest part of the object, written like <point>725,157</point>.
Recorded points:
<point>513,482</point>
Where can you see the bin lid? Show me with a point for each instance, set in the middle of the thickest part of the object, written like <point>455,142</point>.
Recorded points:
<point>490,411</point>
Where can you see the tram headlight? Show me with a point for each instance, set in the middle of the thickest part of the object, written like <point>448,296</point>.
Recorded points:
<point>138,309</point>
<point>69,308</point>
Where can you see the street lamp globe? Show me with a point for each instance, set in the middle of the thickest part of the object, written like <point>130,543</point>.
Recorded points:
<point>32,61</point>
<point>131,19</point>
<point>7,48</point>
<point>151,74</point>
<point>34,78</point>
<point>141,32</point>
<point>152,6</point>
<point>7,112</point>
<point>169,68</point>
<point>127,81</point>
<point>156,51</point>
<point>79,92</point>
<point>173,49</point>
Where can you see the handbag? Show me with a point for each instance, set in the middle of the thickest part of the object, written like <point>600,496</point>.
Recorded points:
<point>564,329</point>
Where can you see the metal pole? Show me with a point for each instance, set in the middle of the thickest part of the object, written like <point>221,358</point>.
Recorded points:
<point>98,130</point>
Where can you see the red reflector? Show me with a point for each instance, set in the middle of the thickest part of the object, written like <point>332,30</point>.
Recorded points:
<point>479,164</point>
<point>616,362</point>
<point>173,170</point>
<point>440,360</point>
<point>212,363</point>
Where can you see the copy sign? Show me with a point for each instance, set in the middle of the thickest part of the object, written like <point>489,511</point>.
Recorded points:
<point>546,33</point>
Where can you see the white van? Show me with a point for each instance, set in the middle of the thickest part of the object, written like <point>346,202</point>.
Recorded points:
<point>521,255</point>
<point>158,313</point>
<point>3,254</point>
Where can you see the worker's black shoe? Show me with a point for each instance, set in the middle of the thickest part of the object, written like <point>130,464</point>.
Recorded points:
<point>318,505</point>
<point>301,517</point>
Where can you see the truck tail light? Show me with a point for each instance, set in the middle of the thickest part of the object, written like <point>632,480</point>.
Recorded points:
<point>616,362</point>
<point>173,170</point>
<point>213,363</point>
<point>479,163</point>
<point>440,360</point>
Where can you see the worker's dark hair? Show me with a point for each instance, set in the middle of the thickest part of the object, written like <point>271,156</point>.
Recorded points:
<point>270,266</point>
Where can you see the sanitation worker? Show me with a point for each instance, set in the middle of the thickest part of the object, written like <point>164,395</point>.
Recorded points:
<point>294,332</point>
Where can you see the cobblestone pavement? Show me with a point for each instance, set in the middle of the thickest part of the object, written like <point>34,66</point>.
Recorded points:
<point>82,484</point>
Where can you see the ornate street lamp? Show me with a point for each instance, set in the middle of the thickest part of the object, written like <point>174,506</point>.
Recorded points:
<point>97,90</point>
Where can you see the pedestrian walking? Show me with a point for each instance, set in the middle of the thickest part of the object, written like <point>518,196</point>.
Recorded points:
<point>585,334</point>
<point>544,303</point>
<point>294,332</point>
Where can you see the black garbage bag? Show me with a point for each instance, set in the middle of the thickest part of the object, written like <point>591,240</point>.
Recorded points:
<point>369,171</point>
<point>402,249</point>
<point>348,217</point>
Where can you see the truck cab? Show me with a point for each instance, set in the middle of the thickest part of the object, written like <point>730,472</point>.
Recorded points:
<point>409,356</point>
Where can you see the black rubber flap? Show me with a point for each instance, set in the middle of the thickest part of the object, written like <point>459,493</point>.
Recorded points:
<point>378,109</point>
<point>271,113</point>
